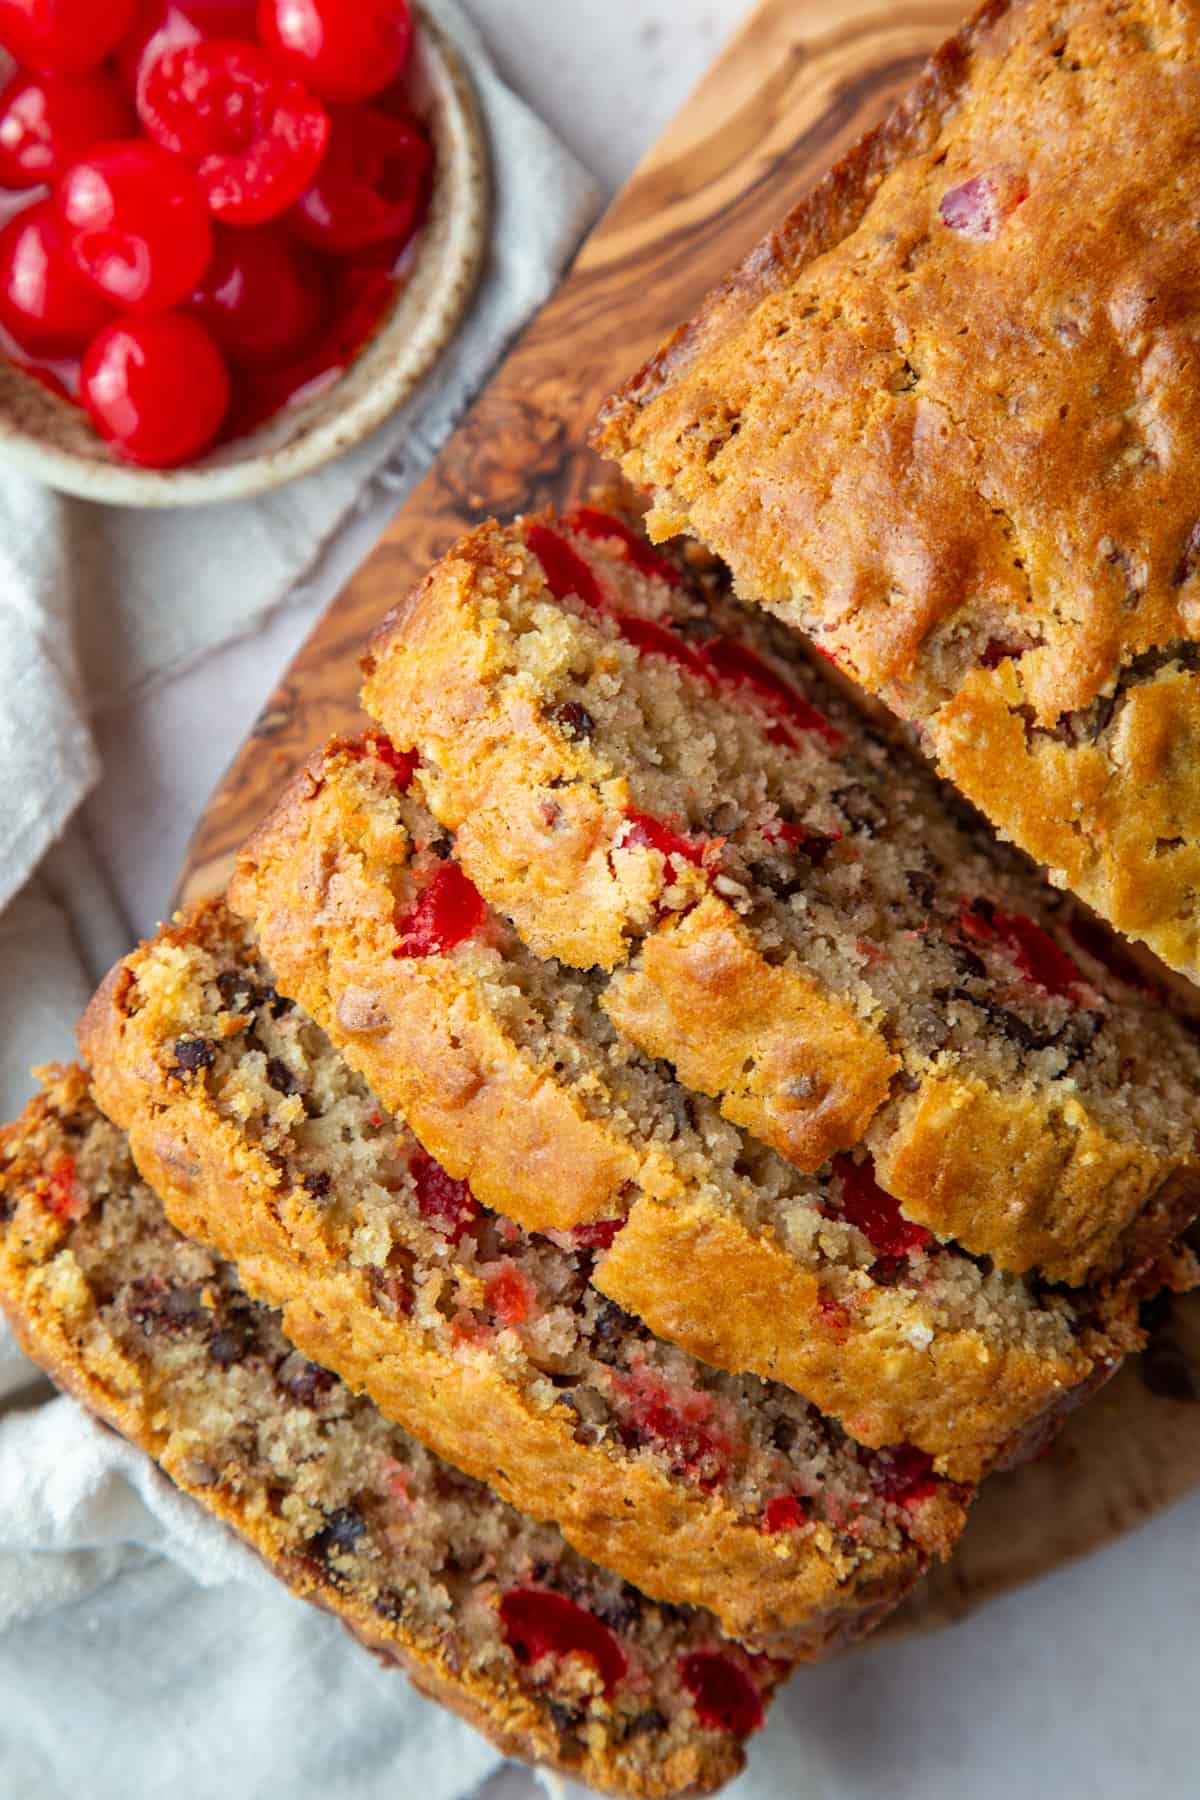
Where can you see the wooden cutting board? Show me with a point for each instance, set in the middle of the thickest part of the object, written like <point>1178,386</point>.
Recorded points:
<point>801,81</point>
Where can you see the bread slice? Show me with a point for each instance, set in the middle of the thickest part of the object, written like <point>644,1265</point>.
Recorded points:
<point>647,779</point>
<point>487,1611</point>
<point>490,1346</point>
<point>942,419</point>
<point>510,1072</point>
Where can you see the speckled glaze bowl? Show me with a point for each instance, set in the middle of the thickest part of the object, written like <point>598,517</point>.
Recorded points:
<point>54,441</point>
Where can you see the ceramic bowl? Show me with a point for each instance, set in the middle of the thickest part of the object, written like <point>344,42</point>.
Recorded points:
<point>54,441</point>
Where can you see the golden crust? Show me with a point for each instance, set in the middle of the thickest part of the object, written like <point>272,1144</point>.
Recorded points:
<point>798,1070</point>
<point>932,445</point>
<point>961,1151</point>
<point>961,1403</point>
<point>788,1595</point>
<point>106,1383</point>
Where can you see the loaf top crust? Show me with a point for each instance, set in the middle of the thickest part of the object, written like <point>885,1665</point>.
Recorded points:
<point>943,418</point>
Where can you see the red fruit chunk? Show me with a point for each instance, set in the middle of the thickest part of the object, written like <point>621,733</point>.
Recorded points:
<point>448,912</point>
<point>1032,950</point>
<point>565,570</point>
<point>262,297</point>
<point>511,1298</point>
<point>589,521</point>
<point>342,51</point>
<point>371,188</point>
<point>786,1512</point>
<point>599,1235</point>
<point>641,830</point>
<point>63,1194</point>
<point>649,637</point>
<point>163,25</point>
<point>977,208</point>
<point>48,120</point>
<point>875,1212</point>
<point>402,763</point>
<point>813,844</point>
<point>448,1205</point>
<point>256,138</point>
<point>681,1423</point>
<point>998,650</point>
<point>136,225</point>
<point>538,1623</point>
<point>65,36</point>
<point>44,301</point>
<point>724,1696</point>
<point>904,1475</point>
<point>739,666</point>
<point>157,389</point>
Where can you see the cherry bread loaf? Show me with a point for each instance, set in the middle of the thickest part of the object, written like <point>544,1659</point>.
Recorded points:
<point>489,1612</point>
<point>489,1345</point>
<point>648,779</point>
<point>510,1072</point>
<point>943,420</point>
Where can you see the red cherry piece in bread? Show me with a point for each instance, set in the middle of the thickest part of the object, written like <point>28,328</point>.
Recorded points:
<point>601,1234</point>
<point>446,913</point>
<point>591,522</point>
<point>786,1512</point>
<point>162,25</point>
<point>510,1295</point>
<point>648,637</point>
<point>63,36</point>
<point>537,1623</point>
<point>977,208</point>
<point>136,225</point>
<point>262,297</point>
<point>737,665</point>
<point>875,1212</point>
<point>46,121</point>
<point>904,1475</point>
<point>448,1205</point>
<point>63,1194</point>
<point>723,1694</point>
<point>156,388</point>
<point>402,763</point>
<point>371,188</point>
<point>255,137</point>
<point>44,301</point>
<point>680,1423</point>
<point>341,51</point>
<point>1032,951</point>
<point>567,574</point>
<point>642,831</point>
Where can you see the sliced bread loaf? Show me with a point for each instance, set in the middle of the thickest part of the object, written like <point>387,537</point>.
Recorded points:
<point>648,779</point>
<point>511,1073</point>
<point>491,1346</point>
<point>487,1611</point>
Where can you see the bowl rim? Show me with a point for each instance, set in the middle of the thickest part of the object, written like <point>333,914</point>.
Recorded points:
<point>442,280</point>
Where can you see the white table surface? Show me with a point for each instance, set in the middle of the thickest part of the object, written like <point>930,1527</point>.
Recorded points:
<point>1080,1687</point>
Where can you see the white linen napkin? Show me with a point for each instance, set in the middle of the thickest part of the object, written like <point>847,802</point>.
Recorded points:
<point>142,1649</point>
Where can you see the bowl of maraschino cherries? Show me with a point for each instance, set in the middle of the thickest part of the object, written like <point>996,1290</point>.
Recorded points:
<point>234,235</point>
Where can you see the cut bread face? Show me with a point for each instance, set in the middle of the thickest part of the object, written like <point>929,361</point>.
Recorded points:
<point>928,430</point>
<point>651,781</point>
<point>490,1345</point>
<point>510,1071</point>
<point>489,1612</point>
